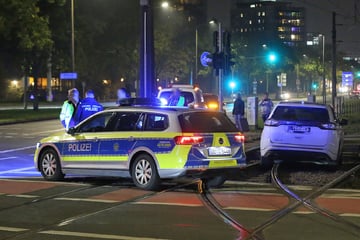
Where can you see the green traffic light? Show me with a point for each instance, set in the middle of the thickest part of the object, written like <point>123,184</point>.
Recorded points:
<point>272,57</point>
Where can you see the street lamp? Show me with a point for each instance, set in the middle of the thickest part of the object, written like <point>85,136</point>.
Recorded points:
<point>72,37</point>
<point>219,51</point>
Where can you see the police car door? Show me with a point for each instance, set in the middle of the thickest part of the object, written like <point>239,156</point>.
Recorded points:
<point>81,149</point>
<point>118,143</point>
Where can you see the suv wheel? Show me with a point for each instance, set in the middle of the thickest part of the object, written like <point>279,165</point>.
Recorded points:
<point>144,173</point>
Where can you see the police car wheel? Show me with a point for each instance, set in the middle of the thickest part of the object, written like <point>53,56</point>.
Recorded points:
<point>49,165</point>
<point>144,173</point>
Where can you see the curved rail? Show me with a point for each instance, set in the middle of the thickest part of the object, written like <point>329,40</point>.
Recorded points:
<point>215,207</point>
<point>306,201</point>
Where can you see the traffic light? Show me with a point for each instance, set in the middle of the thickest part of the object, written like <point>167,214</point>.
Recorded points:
<point>218,60</point>
<point>315,85</point>
<point>272,57</point>
<point>228,64</point>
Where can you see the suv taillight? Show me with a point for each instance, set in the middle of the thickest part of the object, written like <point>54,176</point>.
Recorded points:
<point>188,140</point>
<point>271,123</point>
<point>328,126</point>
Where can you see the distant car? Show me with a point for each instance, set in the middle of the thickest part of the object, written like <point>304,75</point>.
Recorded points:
<point>147,144</point>
<point>193,95</point>
<point>211,101</point>
<point>302,131</point>
<point>140,102</point>
<point>285,95</point>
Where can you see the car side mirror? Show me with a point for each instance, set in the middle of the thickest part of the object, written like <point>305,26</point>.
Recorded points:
<point>71,131</point>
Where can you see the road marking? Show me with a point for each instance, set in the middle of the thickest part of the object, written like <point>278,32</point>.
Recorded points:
<point>86,200</point>
<point>17,170</point>
<point>7,158</point>
<point>16,149</point>
<point>22,196</point>
<point>98,236</point>
<point>12,229</point>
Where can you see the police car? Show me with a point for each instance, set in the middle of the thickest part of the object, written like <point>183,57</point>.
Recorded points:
<point>193,96</point>
<point>147,144</point>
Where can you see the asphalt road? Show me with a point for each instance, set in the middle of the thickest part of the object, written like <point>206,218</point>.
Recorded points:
<point>91,208</point>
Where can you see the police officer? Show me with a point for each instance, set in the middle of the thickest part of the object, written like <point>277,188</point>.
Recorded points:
<point>238,111</point>
<point>68,109</point>
<point>176,99</point>
<point>87,107</point>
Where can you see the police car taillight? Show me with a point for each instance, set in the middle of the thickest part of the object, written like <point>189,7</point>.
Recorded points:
<point>240,138</point>
<point>188,140</point>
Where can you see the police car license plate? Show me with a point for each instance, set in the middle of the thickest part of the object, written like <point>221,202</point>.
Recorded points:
<point>219,151</point>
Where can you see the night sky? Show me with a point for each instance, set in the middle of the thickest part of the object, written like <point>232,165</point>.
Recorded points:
<point>319,20</point>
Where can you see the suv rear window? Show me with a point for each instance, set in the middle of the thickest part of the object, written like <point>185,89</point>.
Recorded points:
<point>206,122</point>
<point>292,113</point>
<point>189,97</point>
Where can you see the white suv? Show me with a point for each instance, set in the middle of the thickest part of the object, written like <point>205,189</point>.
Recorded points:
<point>193,95</point>
<point>302,131</point>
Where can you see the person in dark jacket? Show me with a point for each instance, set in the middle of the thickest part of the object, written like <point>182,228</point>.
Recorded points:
<point>238,111</point>
<point>87,107</point>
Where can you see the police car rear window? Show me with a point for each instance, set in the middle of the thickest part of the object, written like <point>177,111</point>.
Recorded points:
<point>206,122</point>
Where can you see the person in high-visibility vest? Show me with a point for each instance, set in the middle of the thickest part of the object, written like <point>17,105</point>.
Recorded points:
<point>68,109</point>
<point>176,99</point>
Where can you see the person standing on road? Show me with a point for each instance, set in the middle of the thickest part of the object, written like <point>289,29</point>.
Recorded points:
<point>68,109</point>
<point>266,106</point>
<point>238,111</point>
<point>87,107</point>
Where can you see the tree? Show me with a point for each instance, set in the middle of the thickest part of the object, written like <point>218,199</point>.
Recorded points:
<point>25,38</point>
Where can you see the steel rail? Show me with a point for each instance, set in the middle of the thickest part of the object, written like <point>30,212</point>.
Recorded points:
<point>301,201</point>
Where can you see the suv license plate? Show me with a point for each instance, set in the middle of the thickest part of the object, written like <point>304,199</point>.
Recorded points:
<point>218,151</point>
<point>299,129</point>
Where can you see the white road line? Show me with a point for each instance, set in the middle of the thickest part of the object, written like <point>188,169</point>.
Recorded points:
<point>12,229</point>
<point>7,158</point>
<point>86,200</point>
<point>16,149</point>
<point>17,170</point>
<point>98,236</point>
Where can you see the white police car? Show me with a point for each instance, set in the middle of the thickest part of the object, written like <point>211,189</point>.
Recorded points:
<point>193,96</point>
<point>145,143</point>
<point>302,131</point>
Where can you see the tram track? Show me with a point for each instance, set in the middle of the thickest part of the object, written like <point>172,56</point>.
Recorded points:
<point>69,220</point>
<point>295,201</point>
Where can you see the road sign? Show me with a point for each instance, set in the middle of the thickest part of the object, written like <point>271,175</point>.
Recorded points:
<point>347,79</point>
<point>68,75</point>
<point>205,59</point>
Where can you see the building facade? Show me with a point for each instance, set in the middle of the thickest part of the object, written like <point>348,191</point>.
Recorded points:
<point>266,22</point>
